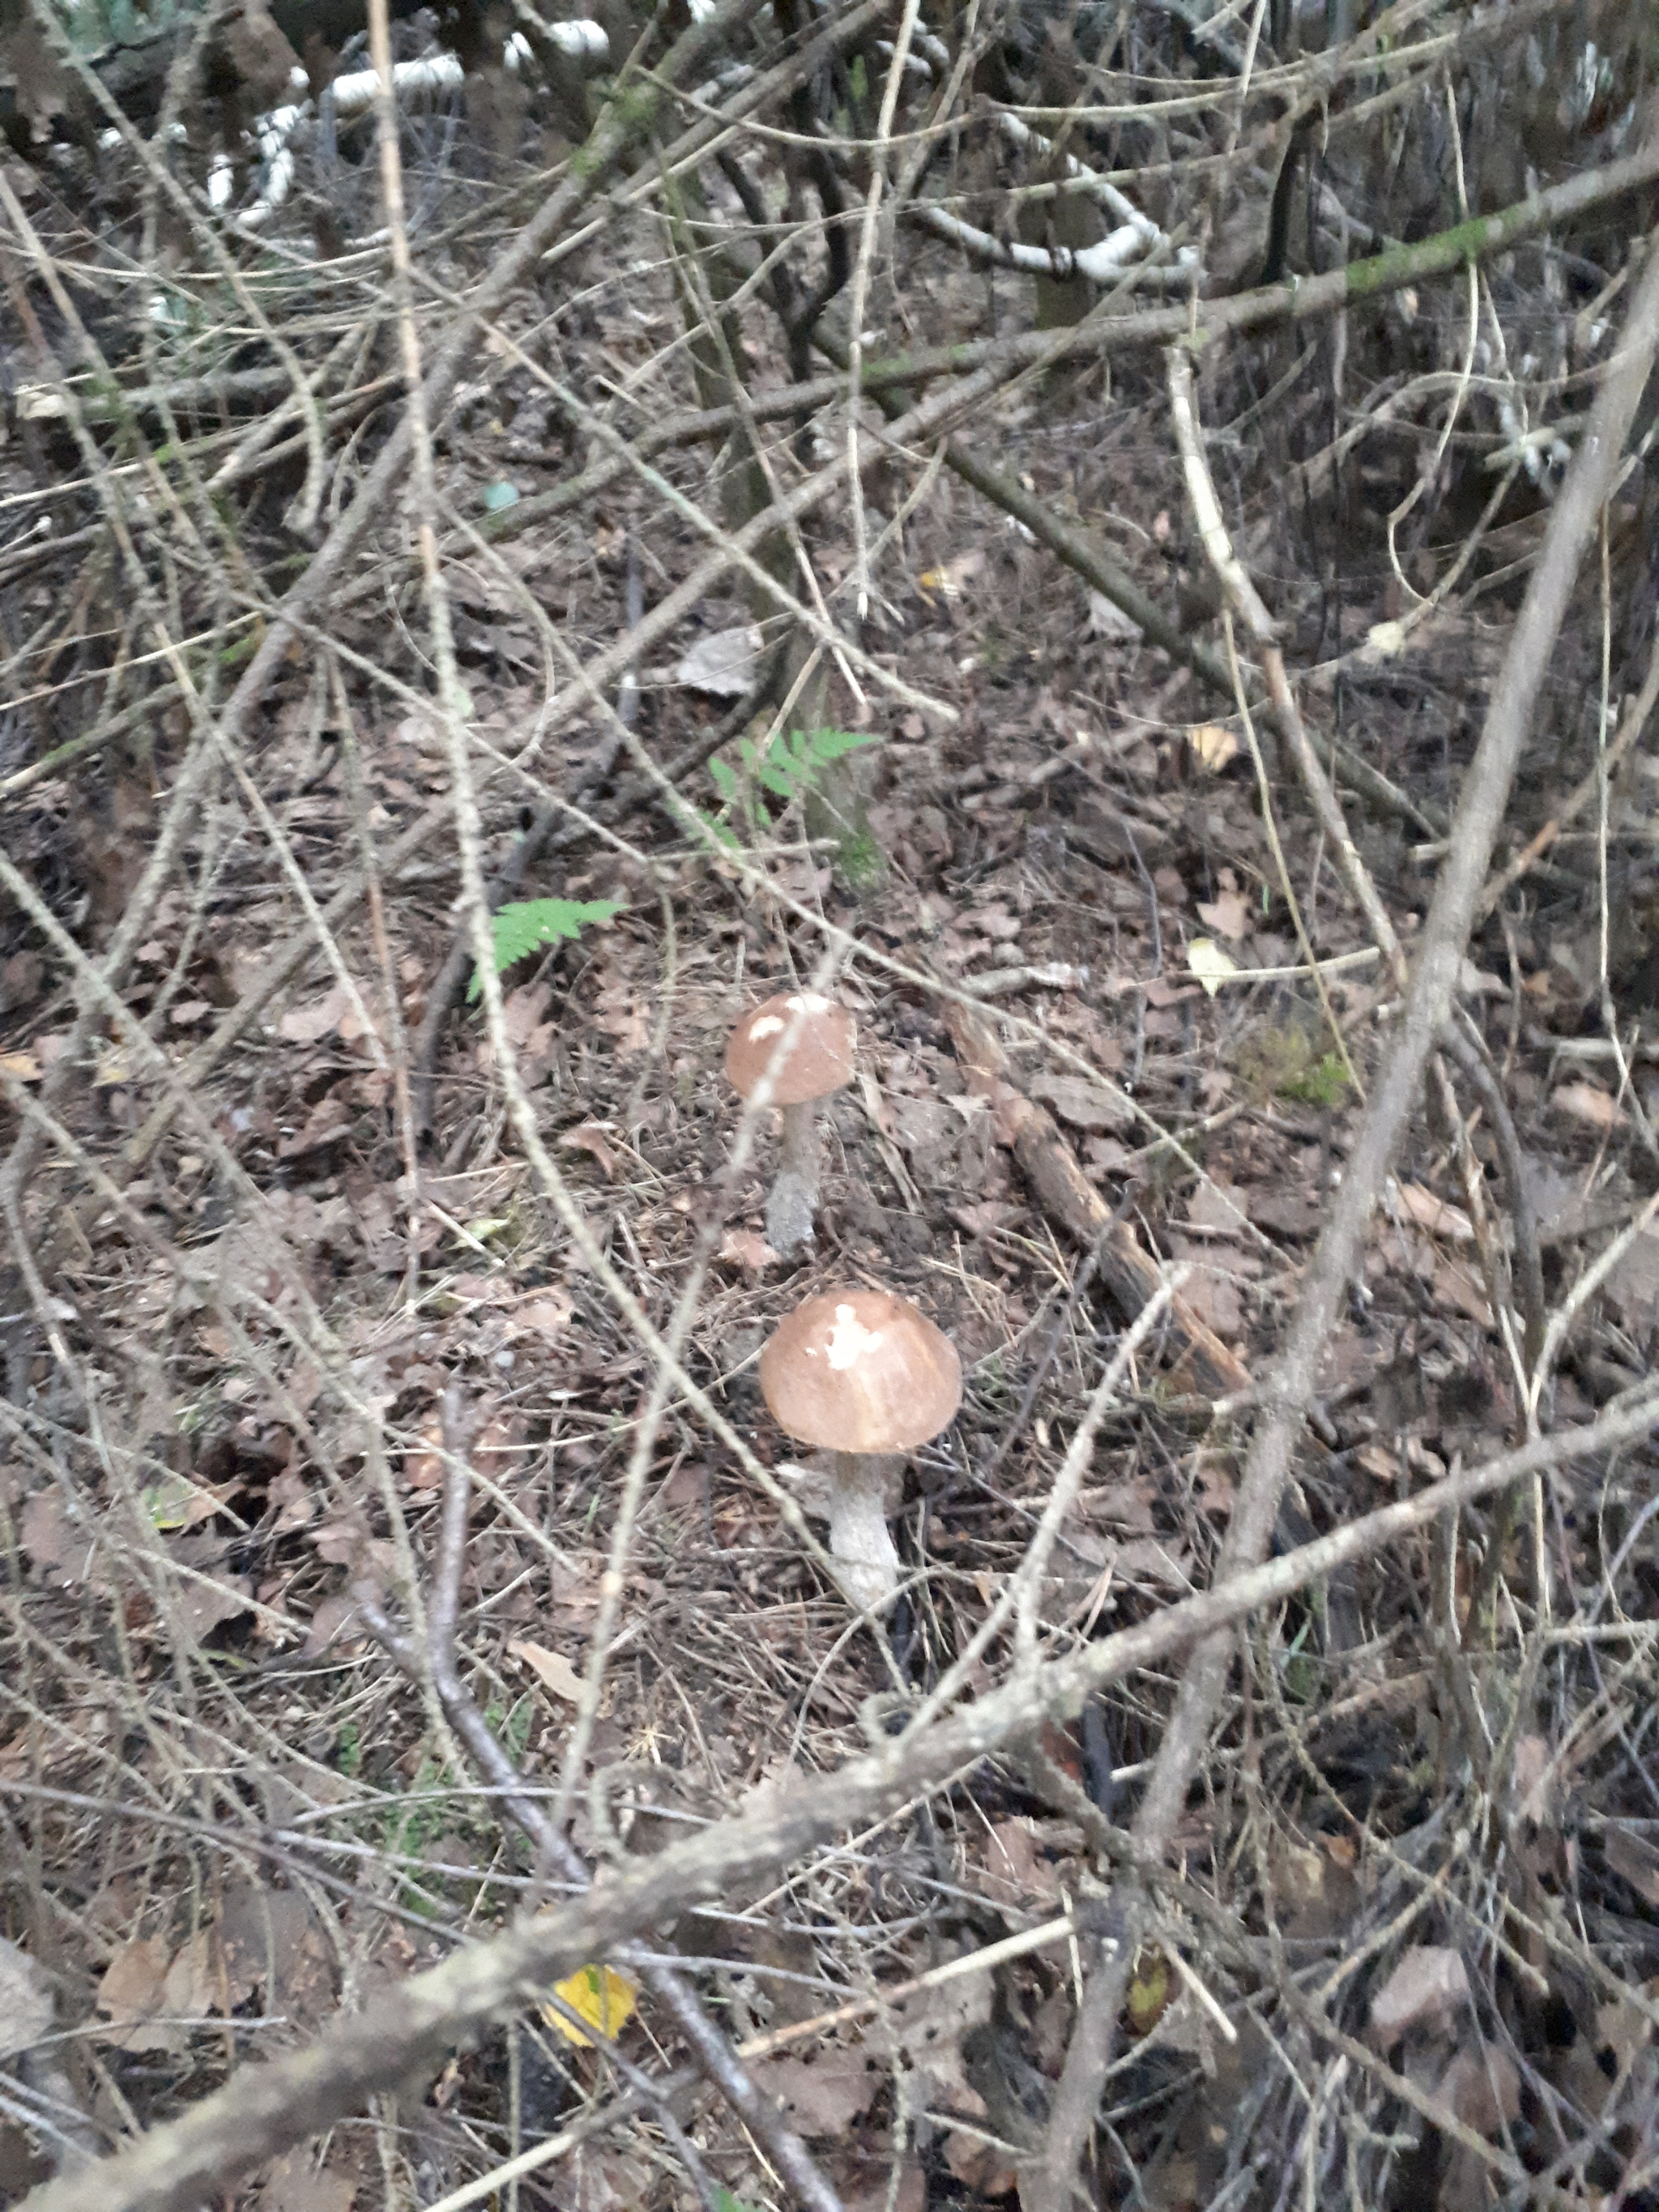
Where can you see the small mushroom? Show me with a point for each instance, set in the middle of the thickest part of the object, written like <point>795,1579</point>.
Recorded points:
<point>860,1374</point>
<point>819,1059</point>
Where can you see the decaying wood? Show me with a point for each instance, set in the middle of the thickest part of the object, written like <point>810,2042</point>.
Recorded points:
<point>1072,1204</point>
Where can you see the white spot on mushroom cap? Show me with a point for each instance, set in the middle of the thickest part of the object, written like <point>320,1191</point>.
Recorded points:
<point>849,1339</point>
<point>809,1003</point>
<point>768,1025</point>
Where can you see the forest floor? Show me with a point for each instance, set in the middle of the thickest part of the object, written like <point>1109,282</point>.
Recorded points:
<point>1048,849</point>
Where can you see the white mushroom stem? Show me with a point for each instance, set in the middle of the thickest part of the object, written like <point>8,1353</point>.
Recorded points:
<point>800,1151</point>
<point>859,1535</point>
<point>794,1194</point>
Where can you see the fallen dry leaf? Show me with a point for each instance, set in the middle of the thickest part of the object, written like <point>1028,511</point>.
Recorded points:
<point>272,1937</point>
<point>293,2184</point>
<point>1161,993</point>
<point>910,2195</point>
<point>589,1137</point>
<point>1219,1208</point>
<point>206,1597</point>
<point>546,1316</point>
<point>821,2096</point>
<point>423,1462</point>
<point>1453,1287</point>
<point>602,2181</point>
<point>191,1990</point>
<point>1633,1859</point>
<point>22,974</point>
<point>26,2000</point>
<point>331,1617</point>
<point>555,1670</point>
<point>1228,912</point>
<point>925,2028</point>
<point>1212,966</point>
<point>722,663</point>
<point>599,1995</point>
<point>1430,1984</point>
<point>746,1248</point>
<point>995,922</point>
<point>1483,2089</point>
<point>1086,1105</point>
<point>950,576</point>
<point>1632,1282</point>
<point>925,1127</point>
<point>1214,1293</point>
<point>46,1534</point>
<point>326,1123</point>
<point>1623,2026</point>
<point>131,1994</point>
<point>1154,1559</point>
<point>1213,745</point>
<point>1440,1219</point>
<point>1015,1861</point>
<point>1583,1102</point>
<point>310,1025</point>
<point>1123,1504</point>
<point>980,2167</point>
<point>1534,1780</point>
<point>1108,619</point>
<point>293,1501</point>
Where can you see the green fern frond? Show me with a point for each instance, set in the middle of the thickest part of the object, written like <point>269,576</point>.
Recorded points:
<point>519,927</point>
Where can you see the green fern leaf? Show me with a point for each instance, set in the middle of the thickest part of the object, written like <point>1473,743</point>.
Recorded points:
<point>519,927</point>
<point>717,830</point>
<point>823,746</point>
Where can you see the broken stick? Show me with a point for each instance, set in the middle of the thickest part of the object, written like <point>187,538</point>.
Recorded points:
<point>1072,1203</point>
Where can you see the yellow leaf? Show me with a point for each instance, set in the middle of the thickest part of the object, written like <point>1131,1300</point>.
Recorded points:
<point>949,579</point>
<point>22,1065</point>
<point>1213,745</point>
<point>486,1226</point>
<point>1148,1990</point>
<point>1212,966</point>
<point>175,1502</point>
<point>598,1994</point>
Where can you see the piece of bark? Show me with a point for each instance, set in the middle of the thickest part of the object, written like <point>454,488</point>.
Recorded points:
<point>1072,1203</point>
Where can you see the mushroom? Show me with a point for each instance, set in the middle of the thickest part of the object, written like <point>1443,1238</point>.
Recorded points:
<point>860,1374</point>
<point>819,1060</point>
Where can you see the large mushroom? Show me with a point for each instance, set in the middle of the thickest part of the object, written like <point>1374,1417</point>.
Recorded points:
<point>818,1059</point>
<point>860,1374</point>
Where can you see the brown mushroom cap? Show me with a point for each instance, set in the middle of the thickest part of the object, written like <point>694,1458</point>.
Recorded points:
<point>860,1372</point>
<point>819,1061</point>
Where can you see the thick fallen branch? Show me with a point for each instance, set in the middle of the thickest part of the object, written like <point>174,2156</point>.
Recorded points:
<point>1072,1203</point>
<point>265,2110</point>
